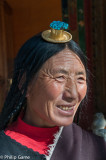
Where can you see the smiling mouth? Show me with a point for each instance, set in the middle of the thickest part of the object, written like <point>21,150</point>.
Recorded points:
<point>66,108</point>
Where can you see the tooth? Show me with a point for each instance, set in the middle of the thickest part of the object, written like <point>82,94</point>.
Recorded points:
<point>65,108</point>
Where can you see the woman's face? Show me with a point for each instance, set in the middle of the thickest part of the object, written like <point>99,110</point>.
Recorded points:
<point>54,96</point>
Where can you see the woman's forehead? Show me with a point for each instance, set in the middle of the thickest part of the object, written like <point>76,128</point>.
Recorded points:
<point>64,59</point>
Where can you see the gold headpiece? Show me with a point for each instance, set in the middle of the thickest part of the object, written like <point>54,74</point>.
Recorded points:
<point>57,34</point>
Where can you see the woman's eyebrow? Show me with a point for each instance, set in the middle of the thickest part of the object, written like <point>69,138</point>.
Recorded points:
<point>81,73</point>
<point>60,71</point>
<point>63,71</point>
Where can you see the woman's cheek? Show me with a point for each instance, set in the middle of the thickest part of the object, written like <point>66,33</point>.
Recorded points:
<point>54,90</point>
<point>82,89</point>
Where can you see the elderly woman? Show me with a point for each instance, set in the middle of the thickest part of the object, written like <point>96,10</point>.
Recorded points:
<point>49,83</point>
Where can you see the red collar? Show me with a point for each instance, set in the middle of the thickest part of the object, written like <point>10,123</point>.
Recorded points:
<point>33,137</point>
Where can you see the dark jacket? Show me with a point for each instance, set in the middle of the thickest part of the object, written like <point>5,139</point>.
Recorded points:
<point>73,144</point>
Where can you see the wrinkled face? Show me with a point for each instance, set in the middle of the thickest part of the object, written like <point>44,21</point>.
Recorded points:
<point>53,98</point>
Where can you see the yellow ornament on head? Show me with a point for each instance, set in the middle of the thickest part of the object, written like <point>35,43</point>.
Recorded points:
<point>57,34</point>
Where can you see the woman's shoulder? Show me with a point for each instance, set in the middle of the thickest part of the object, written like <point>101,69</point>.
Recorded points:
<point>3,137</point>
<point>85,138</point>
<point>11,147</point>
<point>5,141</point>
<point>91,140</point>
<point>89,135</point>
<point>81,144</point>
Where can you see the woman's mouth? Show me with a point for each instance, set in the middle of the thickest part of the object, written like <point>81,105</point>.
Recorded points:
<point>65,108</point>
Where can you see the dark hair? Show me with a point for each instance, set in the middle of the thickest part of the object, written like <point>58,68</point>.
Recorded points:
<point>29,60</point>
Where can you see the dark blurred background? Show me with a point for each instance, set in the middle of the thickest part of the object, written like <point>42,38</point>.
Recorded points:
<point>21,19</point>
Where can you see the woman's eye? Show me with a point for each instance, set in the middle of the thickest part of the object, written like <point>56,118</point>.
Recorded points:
<point>81,79</point>
<point>60,78</point>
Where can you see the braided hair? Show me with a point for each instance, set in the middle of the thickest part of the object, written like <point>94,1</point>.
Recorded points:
<point>28,62</point>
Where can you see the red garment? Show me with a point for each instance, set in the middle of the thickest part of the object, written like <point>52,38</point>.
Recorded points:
<point>33,137</point>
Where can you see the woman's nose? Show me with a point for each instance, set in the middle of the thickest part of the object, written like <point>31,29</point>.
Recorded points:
<point>70,91</point>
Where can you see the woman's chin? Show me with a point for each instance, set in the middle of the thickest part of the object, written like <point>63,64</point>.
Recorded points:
<point>63,122</point>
